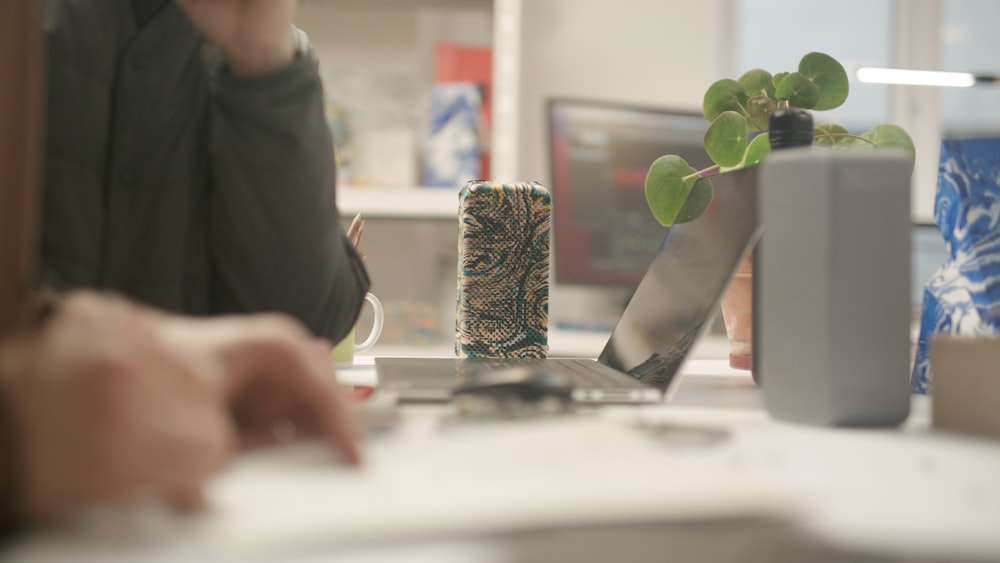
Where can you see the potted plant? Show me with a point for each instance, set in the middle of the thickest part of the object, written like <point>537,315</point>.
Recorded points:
<point>739,112</point>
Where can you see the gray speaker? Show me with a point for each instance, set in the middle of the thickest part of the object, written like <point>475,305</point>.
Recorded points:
<point>832,287</point>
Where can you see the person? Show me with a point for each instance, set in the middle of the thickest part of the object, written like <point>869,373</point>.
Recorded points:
<point>111,402</point>
<point>188,162</point>
<point>103,400</point>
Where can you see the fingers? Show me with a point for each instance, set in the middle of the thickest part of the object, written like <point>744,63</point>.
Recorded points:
<point>175,437</point>
<point>113,414</point>
<point>298,370</point>
<point>340,422</point>
<point>313,381</point>
<point>337,414</point>
<point>272,369</point>
<point>175,455</point>
<point>187,500</point>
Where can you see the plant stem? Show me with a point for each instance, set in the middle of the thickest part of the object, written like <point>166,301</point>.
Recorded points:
<point>698,173</point>
<point>746,114</point>
<point>847,135</point>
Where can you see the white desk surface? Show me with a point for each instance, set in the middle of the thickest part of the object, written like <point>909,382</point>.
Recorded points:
<point>899,494</point>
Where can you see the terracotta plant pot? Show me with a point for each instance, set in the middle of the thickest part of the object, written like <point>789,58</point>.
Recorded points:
<point>737,311</point>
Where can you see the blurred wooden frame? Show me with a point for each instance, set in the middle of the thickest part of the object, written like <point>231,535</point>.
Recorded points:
<point>22,98</point>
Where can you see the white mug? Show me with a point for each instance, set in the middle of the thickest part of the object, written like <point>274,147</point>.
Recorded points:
<point>343,352</point>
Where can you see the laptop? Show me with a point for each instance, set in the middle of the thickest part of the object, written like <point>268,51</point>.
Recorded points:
<point>668,311</point>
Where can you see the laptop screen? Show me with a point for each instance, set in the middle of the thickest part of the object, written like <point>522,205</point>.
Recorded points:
<point>685,280</point>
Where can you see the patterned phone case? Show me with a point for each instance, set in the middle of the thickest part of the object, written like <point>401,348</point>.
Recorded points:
<point>503,270</point>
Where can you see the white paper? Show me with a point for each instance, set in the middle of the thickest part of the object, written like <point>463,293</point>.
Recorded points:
<point>425,482</point>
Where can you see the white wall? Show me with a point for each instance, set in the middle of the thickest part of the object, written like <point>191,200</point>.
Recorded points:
<point>377,62</point>
<point>652,52</point>
<point>661,53</point>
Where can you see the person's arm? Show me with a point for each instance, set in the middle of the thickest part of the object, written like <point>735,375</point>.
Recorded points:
<point>277,239</point>
<point>9,501</point>
<point>21,68</point>
<point>21,99</point>
<point>277,243</point>
<point>111,402</point>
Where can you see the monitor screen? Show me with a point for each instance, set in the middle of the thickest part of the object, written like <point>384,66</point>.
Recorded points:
<point>604,232</point>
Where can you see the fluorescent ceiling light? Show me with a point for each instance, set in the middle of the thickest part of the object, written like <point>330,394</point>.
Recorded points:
<point>916,77</point>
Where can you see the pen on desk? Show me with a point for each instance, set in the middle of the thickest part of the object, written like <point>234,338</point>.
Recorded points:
<point>355,231</point>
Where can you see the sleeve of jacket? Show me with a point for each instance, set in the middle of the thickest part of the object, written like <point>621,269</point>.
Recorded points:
<point>277,241</point>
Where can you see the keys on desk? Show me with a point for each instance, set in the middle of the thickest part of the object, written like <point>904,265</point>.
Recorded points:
<point>684,436</point>
<point>514,391</point>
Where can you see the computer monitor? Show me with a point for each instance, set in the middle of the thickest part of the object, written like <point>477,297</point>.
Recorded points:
<point>604,233</point>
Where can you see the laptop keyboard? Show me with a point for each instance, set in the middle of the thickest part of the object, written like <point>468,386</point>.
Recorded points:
<point>584,373</point>
<point>432,379</point>
<point>591,374</point>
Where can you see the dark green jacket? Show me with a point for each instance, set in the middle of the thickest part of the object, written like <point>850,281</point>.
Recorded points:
<point>170,181</point>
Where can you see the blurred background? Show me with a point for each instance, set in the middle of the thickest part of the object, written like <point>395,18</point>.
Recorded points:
<point>425,94</point>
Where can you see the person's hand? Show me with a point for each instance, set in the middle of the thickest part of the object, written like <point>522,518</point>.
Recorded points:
<point>255,35</point>
<point>106,414</point>
<point>274,377</point>
<point>114,402</point>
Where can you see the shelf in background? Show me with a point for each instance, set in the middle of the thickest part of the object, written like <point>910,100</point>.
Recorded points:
<point>399,202</point>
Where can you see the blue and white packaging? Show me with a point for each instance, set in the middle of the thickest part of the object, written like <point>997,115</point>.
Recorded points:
<point>452,147</point>
<point>963,296</point>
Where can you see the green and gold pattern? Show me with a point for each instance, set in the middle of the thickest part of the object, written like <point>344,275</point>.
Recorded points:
<point>503,270</point>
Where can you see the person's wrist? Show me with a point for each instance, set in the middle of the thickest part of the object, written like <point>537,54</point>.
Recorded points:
<point>26,503</point>
<point>44,482</point>
<point>11,509</point>
<point>261,58</point>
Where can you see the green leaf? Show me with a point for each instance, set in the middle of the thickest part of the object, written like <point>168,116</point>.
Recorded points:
<point>723,95</point>
<point>726,139</point>
<point>824,71</point>
<point>758,149</point>
<point>669,182</point>
<point>798,90</point>
<point>757,82</point>
<point>760,109</point>
<point>697,202</point>
<point>890,136</point>
<point>777,78</point>
<point>831,135</point>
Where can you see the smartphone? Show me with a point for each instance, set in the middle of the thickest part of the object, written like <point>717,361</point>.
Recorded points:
<point>503,270</point>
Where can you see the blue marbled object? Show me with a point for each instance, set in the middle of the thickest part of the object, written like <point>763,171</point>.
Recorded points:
<point>963,296</point>
<point>503,270</point>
